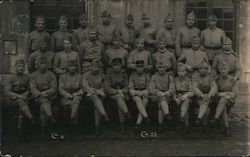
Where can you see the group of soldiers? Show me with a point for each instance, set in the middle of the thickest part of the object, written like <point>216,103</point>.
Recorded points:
<point>162,67</point>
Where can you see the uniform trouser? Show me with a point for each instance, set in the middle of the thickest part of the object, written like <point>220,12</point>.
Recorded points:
<point>99,109</point>
<point>24,109</point>
<point>72,106</point>
<point>184,110</point>
<point>163,109</point>
<point>141,104</point>
<point>203,109</point>
<point>122,106</point>
<point>221,109</point>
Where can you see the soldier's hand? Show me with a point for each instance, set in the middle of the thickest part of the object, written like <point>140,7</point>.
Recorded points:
<point>44,94</point>
<point>145,93</point>
<point>183,97</point>
<point>120,91</point>
<point>235,79</point>
<point>228,97</point>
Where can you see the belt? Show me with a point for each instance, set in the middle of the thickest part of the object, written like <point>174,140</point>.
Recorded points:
<point>72,90</point>
<point>212,48</point>
<point>186,46</point>
<point>20,92</point>
<point>140,89</point>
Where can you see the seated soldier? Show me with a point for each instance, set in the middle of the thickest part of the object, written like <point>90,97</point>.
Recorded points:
<point>93,84</point>
<point>17,89</point>
<point>62,58</point>
<point>165,56</point>
<point>140,54</point>
<point>204,88</point>
<point>162,88</point>
<point>116,85</point>
<point>138,89</point>
<point>183,94</point>
<point>43,87</point>
<point>71,92</point>
<point>225,96</point>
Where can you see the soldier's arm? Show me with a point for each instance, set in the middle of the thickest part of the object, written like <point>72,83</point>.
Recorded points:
<point>52,43</point>
<point>171,84</point>
<point>214,66</point>
<point>131,64</point>
<point>107,86</point>
<point>8,91</point>
<point>31,64</point>
<point>196,89</point>
<point>178,43</point>
<point>150,62</point>
<point>53,85</point>
<point>232,93</point>
<point>237,69</point>
<point>174,63</point>
<point>190,92</point>
<point>152,86</point>
<point>56,68</point>
<point>27,54</point>
<point>34,91</point>
<point>61,89</point>
<point>213,89</point>
<point>85,85</point>
<point>76,41</point>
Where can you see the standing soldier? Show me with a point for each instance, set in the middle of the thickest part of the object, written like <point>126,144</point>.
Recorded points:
<point>140,54</point>
<point>35,36</point>
<point>212,38</point>
<point>185,34</point>
<point>41,52</point>
<point>43,87</point>
<point>230,58</point>
<point>17,89</point>
<point>165,56</point>
<point>128,33</point>
<point>71,92</point>
<point>91,49</point>
<point>193,57</point>
<point>148,32</point>
<point>138,89</point>
<point>106,29</point>
<point>162,88</point>
<point>116,51</point>
<point>225,96</point>
<point>93,85</point>
<point>57,38</point>
<point>116,85</point>
<point>81,33</point>
<point>167,34</point>
<point>204,88</point>
<point>183,95</point>
<point>62,58</point>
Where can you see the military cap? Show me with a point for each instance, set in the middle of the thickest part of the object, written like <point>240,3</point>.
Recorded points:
<point>83,17</point>
<point>96,62</point>
<point>212,17</point>
<point>223,64</point>
<point>140,39</point>
<point>196,39</point>
<point>116,61</point>
<point>145,16</point>
<point>42,59</point>
<point>116,38</point>
<point>20,61</point>
<point>181,65</point>
<point>191,15</point>
<point>227,40</point>
<point>72,62</point>
<point>92,29</point>
<point>169,17</point>
<point>40,18</point>
<point>105,13</point>
<point>63,18</point>
<point>139,63</point>
<point>203,65</point>
<point>44,39</point>
<point>129,16</point>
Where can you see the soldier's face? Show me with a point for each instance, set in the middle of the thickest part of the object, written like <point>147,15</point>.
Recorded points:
<point>83,22</point>
<point>40,25</point>
<point>146,21</point>
<point>19,68</point>
<point>161,69</point>
<point>116,43</point>
<point>140,45</point>
<point>162,44</point>
<point>181,72</point>
<point>190,21</point>
<point>72,68</point>
<point>92,36</point>
<point>106,19</point>
<point>117,67</point>
<point>195,45</point>
<point>140,70</point>
<point>169,24</point>
<point>43,46</point>
<point>43,66</point>
<point>212,22</point>
<point>224,71</point>
<point>67,45</point>
<point>95,69</point>
<point>63,24</point>
<point>227,47</point>
<point>203,71</point>
<point>129,22</point>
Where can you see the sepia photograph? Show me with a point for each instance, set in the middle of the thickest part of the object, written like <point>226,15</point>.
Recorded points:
<point>124,78</point>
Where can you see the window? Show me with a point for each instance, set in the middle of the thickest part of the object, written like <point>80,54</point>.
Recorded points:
<point>223,9</point>
<point>53,9</point>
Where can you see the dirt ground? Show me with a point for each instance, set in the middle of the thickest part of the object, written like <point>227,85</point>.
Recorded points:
<point>112,143</point>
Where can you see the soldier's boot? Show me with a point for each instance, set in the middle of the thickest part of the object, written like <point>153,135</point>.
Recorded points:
<point>97,130</point>
<point>198,121</point>
<point>227,132</point>
<point>122,130</point>
<point>160,128</point>
<point>137,129</point>
<point>214,122</point>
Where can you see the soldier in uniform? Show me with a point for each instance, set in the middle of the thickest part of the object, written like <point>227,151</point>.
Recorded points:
<point>148,32</point>
<point>81,33</point>
<point>92,48</point>
<point>165,56</point>
<point>116,51</point>
<point>212,38</point>
<point>62,58</point>
<point>106,29</point>
<point>35,36</point>
<point>183,95</point>
<point>225,96</point>
<point>128,33</point>
<point>93,86</point>
<point>204,88</point>
<point>41,52</point>
<point>228,56</point>
<point>17,89</point>
<point>57,38</point>
<point>138,89</point>
<point>140,54</point>
<point>71,93</point>
<point>116,85</point>
<point>167,33</point>
<point>161,86</point>
<point>193,57</point>
<point>185,34</point>
<point>43,87</point>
